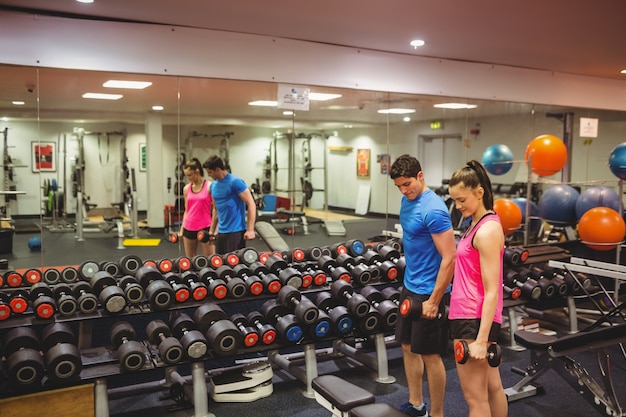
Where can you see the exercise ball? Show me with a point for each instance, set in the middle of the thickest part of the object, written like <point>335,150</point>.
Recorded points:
<point>498,159</point>
<point>34,243</point>
<point>601,228</point>
<point>510,215</point>
<point>617,161</point>
<point>535,222</point>
<point>549,155</point>
<point>599,196</point>
<point>557,205</point>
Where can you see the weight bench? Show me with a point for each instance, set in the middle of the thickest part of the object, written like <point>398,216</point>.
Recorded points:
<point>270,236</point>
<point>344,399</point>
<point>550,352</point>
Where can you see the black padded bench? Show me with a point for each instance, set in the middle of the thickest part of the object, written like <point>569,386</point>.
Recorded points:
<point>344,399</point>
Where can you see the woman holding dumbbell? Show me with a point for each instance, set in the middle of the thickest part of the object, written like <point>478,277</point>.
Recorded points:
<point>476,300</point>
<point>198,208</point>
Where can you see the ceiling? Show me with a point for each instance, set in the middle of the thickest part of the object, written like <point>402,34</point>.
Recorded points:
<point>566,36</point>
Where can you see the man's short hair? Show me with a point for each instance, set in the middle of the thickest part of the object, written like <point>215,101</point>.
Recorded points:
<point>405,166</point>
<point>213,162</point>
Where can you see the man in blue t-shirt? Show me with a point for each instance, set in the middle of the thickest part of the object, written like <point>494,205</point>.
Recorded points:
<point>234,209</point>
<point>429,250</point>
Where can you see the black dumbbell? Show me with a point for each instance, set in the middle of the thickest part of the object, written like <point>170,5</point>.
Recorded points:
<point>356,303</point>
<point>391,294</point>
<point>392,254</point>
<point>230,259</point>
<point>69,274</point>
<point>181,289</point>
<point>270,280</point>
<point>5,307</point>
<point>111,267</point>
<point>267,332</point>
<point>65,300</point>
<point>302,307</point>
<point>388,309</point>
<point>19,301</point>
<point>87,268</point>
<point>43,304</point>
<point>318,277</point>
<point>236,286</point>
<point>199,261</point>
<point>529,287</point>
<point>24,363</point>
<point>217,287</point>
<point>388,270</point>
<point>222,334</point>
<point>192,340</point>
<point>411,307</point>
<point>286,274</point>
<point>548,288</point>
<point>515,256</point>
<point>286,324</point>
<point>248,255</point>
<point>253,283</point>
<point>249,334</point>
<point>550,274</point>
<point>204,236</point>
<point>321,327</point>
<point>181,264</point>
<point>340,317</point>
<point>111,296</point>
<point>360,273</point>
<point>370,323</point>
<point>312,253</point>
<point>32,276</point>
<point>170,348</point>
<point>129,264</point>
<point>62,357</point>
<point>337,249</point>
<point>87,301</point>
<point>511,293</point>
<point>332,268</point>
<point>462,353</point>
<point>197,288</point>
<point>159,293</point>
<point>13,279</point>
<point>133,291</point>
<point>164,265</point>
<point>51,276</point>
<point>130,352</point>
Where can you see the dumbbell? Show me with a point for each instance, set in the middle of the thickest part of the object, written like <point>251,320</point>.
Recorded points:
<point>133,291</point>
<point>222,334</point>
<point>111,267</point>
<point>43,304</point>
<point>19,301</point>
<point>321,327</point>
<point>515,256</point>
<point>388,309</point>
<point>87,268</point>
<point>230,258</point>
<point>253,283</point>
<point>159,334</point>
<point>294,255</point>
<point>511,293</point>
<point>312,253</point>
<point>247,255</point>
<point>111,296</point>
<point>286,324</point>
<point>529,287</point>
<point>129,264</point>
<point>236,286</point>
<point>392,294</point>
<point>392,254</point>
<point>270,280</point>
<point>13,279</point>
<point>199,261</point>
<point>462,353</point>
<point>360,273</point>
<point>370,323</point>
<point>51,276</point>
<point>217,287</point>
<point>356,303</point>
<point>5,307</point>
<point>318,277</point>
<point>192,340</point>
<point>411,307</point>
<point>337,249</point>
<point>388,270</point>
<point>302,307</point>
<point>24,363</point>
<point>550,274</point>
<point>87,301</point>
<point>339,315</point>
<point>32,276</point>
<point>197,288</point>
<point>548,289</point>
<point>266,332</point>
<point>286,274</point>
<point>69,274</point>
<point>249,334</point>
<point>173,237</point>
<point>180,264</point>
<point>181,290</point>
<point>65,300</point>
<point>204,236</point>
<point>61,356</point>
<point>332,268</point>
<point>130,352</point>
<point>164,265</point>
<point>159,293</point>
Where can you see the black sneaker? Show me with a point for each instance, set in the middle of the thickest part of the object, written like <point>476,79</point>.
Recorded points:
<point>411,410</point>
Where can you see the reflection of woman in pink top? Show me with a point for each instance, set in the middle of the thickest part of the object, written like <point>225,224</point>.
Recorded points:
<point>198,206</point>
<point>476,298</point>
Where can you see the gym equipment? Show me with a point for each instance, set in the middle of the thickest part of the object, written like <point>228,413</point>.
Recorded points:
<point>159,334</point>
<point>65,300</point>
<point>412,308</point>
<point>270,281</point>
<point>130,352</point>
<point>197,288</point>
<point>193,342</point>
<point>529,287</point>
<point>111,296</point>
<point>222,334</point>
<point>270,236</point>
<point>356,303</point>
<point>287,274</point>
<point>462,353</point>
<point>180,288</point>
<point>61,356</point>
<point>339,315</point>
<point>302,307</point>
<point>617,161</point>
<point>13,279</point>
<point>44,306</point>
<point>266,332</point>
<point>69,274</point>
<point>160,294</point>
<point>24,364</point>
<point>34,243</point>
<point>87,301</point>
<point>391,253</point>
<point>129,264</point>
<point>250,334</point>
<point>5,307</point>
<point>548,288</point>
<point>132,290</point>
<point>497,159</point>
<point>549,155</point>
<point>332,268</point>
<point>311,274</point>
<point>216,287</point>
<point>601,228</point>
<point>387,309</point>
<point>253,283</point>
<point>557,205</point>
<point>509,213</point>
<point>19,301</point>
<point>235,285</point>
<point>287,325</point>
<point>515,256</point>
<point>32,276</point>
<point>535,222</point>
<point>360,272</point>
<point>599,196</point>
<point>388,269</point>
<point>251,383</point>
<point>181,264</point>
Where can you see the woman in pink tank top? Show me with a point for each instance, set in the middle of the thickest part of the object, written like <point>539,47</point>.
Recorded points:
<point>198,206</point>
<point>476,298</point>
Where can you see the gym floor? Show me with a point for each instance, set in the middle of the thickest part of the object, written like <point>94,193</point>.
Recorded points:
<point>62,248</point>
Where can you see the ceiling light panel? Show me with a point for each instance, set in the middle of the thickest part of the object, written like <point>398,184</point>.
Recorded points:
<point>133,85</point>
<point>455,106</point>
<point>103,96</point>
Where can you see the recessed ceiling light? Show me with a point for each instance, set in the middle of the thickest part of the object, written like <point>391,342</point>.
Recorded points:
<point>416,43</point>
<point>18,102</point>
<point>157,108</point>
<point>345,126</point>
<point>407,119</point>
<point>623,71</point>
<point>455,106</point>
<point>85,1</point>
<point>135,85</point>
<point>323,96</point>
<point>287,113</point>
<point>264,103</point>
<point>102,96</point>
<point>396,111</point>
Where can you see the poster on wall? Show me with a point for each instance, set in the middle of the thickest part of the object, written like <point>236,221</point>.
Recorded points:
<point>143,157</point>
<point>44,156</point>
<point>363,163</point>
<point>384,159</point>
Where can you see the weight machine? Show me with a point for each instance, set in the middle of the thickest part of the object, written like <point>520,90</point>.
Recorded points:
<point>9,189</point>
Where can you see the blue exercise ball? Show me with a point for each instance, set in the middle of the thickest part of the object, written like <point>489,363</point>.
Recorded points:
<point>599,196</point>
<point>557,205</point>
<point>498,159</point>
<point>34,243</point>
<point>535,221</point>
<point>617,161</point>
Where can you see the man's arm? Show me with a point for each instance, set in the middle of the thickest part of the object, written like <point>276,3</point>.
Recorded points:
<point>446,246</point>
<point>246,197</point>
